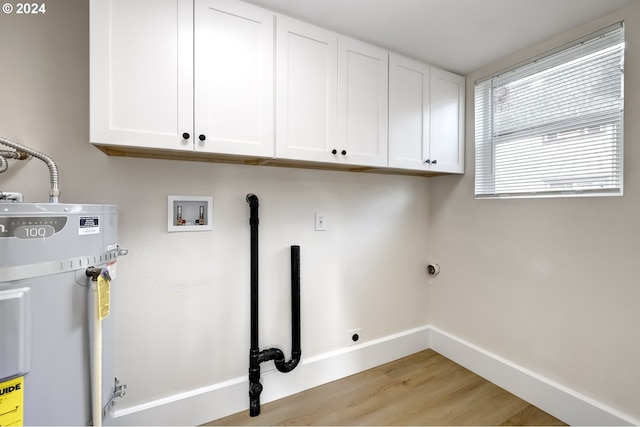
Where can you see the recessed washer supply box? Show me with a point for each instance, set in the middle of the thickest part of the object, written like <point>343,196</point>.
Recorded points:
<point>189,213</point>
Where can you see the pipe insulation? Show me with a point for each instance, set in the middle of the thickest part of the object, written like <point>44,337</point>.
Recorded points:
<point>54,176</point>
<point>256,356</point>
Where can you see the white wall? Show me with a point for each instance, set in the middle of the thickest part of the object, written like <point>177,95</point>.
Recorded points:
<point>549,284</point>
<point>183,303</point>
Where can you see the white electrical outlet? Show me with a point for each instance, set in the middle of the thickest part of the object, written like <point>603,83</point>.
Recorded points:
<point>321,221</point>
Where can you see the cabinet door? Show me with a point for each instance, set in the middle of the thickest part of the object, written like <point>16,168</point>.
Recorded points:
<point>306,90</point>
<point>142,73</point>
<point>447,121</point>
<point>363,73</point>
<point>408,113</point>
<point>234,85</point>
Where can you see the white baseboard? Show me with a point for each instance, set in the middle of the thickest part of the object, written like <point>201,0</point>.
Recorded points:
<point>219,400</point>
<point>563,403</point>
<point>226,398</point>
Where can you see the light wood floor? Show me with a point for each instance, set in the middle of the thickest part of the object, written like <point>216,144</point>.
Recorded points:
<point>422,389</point>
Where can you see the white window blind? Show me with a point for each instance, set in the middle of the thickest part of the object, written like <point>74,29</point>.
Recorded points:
<point>554,126</point>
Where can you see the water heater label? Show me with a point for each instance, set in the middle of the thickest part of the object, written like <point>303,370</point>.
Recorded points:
<point>26,227</point>
<point>11,402</point>
<point>89,225</point>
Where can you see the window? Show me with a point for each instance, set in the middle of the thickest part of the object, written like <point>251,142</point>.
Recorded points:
<point>554,125</point>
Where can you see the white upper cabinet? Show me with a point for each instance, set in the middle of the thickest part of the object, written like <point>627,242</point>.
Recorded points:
<point>226,80</point>
<point>363,75</point>
<point>306,91</point>
<point>234,89</point>
<point>167,76</point>
<point>408,114</point>
<point>141,73</point>
<point>446,148</point>
<point>426,117</point>
<point>331,97</point>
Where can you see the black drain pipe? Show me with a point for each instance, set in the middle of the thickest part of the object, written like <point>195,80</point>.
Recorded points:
<point>255,355</point>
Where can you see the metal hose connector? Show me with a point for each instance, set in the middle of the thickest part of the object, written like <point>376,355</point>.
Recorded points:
<point>54,176</point>
<point>17,155</point>
<point>6,154</point>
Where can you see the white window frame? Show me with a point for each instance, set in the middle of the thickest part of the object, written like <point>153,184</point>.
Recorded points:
<point>516,147</point>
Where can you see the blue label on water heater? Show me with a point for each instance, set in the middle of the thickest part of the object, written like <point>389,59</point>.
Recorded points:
<point>89,225</point>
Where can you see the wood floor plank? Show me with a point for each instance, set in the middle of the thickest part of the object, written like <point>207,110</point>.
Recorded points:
<point>422,389</point>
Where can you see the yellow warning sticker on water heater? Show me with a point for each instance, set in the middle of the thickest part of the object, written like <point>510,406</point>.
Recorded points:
<point>12,402</point>
<point>104,290</point>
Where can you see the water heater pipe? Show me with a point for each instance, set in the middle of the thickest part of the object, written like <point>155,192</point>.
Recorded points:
<point>17,155</point>
<point>96,365</point>
<point>54,177</point>
<point>255,355</point>
<point>96,384</point>
<point>7,154</point>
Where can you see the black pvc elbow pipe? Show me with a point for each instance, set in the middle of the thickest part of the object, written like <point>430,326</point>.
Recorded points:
<point>255,355</point>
